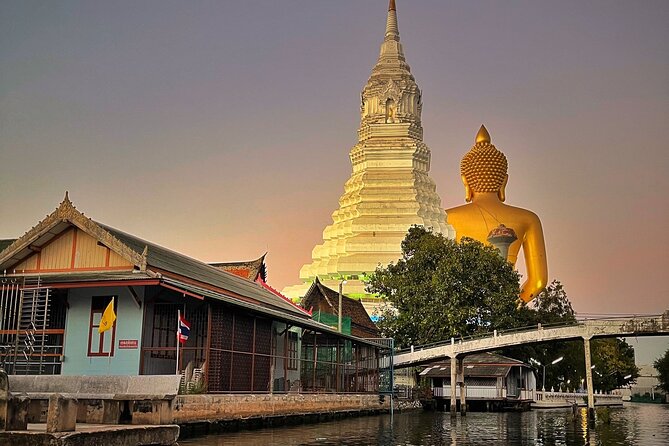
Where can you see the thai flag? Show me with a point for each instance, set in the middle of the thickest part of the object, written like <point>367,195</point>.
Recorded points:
<point>183,329</point>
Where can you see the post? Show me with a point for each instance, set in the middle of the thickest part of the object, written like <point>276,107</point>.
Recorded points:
<point>463,388</point>
<point>588,376</point>
<point>178,341</point>
<point>62,414</point>
<point>4,398</point>
<point>543,378</point>
<point>454,377</point>
<point>341,284</point>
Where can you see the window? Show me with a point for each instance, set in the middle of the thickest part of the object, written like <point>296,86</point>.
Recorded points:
<point>292,350</point>
<point>101,344</point>
<point>164,334</point>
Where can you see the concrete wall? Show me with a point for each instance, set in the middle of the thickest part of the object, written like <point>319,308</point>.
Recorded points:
<point>188,408</point>
<point>128,327</point>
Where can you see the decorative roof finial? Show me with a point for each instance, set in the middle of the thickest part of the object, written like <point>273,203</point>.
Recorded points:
<point>392,30</point>
<point>483,135</point>
<point>67,196</point>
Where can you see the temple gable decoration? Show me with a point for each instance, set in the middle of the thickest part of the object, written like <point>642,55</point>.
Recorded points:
<point>66,240</point>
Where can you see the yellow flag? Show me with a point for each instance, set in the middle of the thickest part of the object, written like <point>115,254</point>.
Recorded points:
<point>108,318</point>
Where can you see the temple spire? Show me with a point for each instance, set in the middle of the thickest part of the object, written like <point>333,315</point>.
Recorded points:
<point>392,30</point>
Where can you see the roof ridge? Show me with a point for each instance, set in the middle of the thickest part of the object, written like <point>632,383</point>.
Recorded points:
<point>277,293</point>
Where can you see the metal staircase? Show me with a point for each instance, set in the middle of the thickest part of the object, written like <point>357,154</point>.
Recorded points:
<point>32,340</point>
<point>25,339</point>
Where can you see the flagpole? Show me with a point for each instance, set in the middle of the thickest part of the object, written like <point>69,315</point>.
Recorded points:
<point>178,342</point>
<point>112,343</point>
<point>181,358</point>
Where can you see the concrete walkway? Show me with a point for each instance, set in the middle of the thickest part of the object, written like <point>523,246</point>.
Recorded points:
<point>93,435</point>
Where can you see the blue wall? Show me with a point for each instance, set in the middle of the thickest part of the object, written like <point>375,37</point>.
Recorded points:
<point>128,326</point>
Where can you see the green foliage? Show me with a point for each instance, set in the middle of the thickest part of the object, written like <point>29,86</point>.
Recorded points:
<point>440,289</point>
<point>613,360</point>
<point>552,306</point>
<point>662,366</point>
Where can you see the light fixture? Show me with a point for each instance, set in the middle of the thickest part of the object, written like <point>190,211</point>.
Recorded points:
<point>557,360</point>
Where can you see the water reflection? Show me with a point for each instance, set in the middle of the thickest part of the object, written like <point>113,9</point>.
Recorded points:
<point>635,424</point>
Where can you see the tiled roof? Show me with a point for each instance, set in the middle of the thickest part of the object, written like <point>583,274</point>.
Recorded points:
<point>251,269</point>
<point>350,307</point>
<point>277,314</point>
<point>163,259</point>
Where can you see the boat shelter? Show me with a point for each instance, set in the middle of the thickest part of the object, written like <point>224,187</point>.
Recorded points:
<point>492,382</point>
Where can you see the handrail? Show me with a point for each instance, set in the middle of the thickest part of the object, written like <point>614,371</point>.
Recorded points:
<point>524,329</point>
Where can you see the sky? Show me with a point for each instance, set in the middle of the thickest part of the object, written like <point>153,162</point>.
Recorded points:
<point>221,129</point>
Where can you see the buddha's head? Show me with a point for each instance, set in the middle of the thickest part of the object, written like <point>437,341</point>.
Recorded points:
<point>484,168</point>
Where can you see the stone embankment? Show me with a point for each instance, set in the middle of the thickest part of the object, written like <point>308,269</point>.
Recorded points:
<point>201,414</point>
<point>93,435</point>
<point>82,410</point>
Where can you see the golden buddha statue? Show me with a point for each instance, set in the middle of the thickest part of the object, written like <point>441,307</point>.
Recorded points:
<point>487,219</point>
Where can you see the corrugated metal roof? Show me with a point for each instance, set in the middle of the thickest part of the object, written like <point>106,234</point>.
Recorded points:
<point>475,370</point>
<point>182,265</point>
<point>477,364</point>
<point>276,314</point>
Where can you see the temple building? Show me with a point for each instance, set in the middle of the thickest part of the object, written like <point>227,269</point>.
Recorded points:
<point>323,303</point>
<point>389,189</point>
<point>63,277</point>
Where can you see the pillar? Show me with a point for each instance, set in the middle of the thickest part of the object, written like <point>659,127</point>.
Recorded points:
<point>4,398</point>
<point>463,388</point>
<point>17,413</point>
<point>588,378</point>
<point>454,378</point>
<point>62,414</point>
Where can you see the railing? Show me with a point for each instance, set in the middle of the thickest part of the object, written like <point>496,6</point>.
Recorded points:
<point>621,323</point>
<point>481,392</point>
<point>545,396</point>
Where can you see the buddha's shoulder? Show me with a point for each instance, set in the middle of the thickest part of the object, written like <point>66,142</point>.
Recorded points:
<point>522,212</point>
<point>465,211</point>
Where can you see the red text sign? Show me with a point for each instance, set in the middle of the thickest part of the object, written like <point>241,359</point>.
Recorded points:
<point>128,343</point>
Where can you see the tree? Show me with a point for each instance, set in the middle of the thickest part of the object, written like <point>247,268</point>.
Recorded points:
<point>440,289</point>
<point>613,358</point>
<point>662,366</point>
<point>552,306</point>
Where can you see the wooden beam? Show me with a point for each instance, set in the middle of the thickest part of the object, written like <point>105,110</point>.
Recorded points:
<point>135,297</point>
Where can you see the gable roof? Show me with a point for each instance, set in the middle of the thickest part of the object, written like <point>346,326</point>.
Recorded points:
<point>350,307</point>
<point>252,269</point>
<point>65,216</point>
<point>147,257</point>
<point>165,261</point>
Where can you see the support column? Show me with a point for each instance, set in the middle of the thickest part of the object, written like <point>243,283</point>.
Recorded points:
<point>588,378</point>
<point>463,388</point>
<point>454,377</point>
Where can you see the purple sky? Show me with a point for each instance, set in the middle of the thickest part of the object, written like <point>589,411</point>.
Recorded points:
<point>221,129</point>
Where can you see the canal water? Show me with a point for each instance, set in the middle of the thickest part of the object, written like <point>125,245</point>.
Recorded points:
<point>633,424</point>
